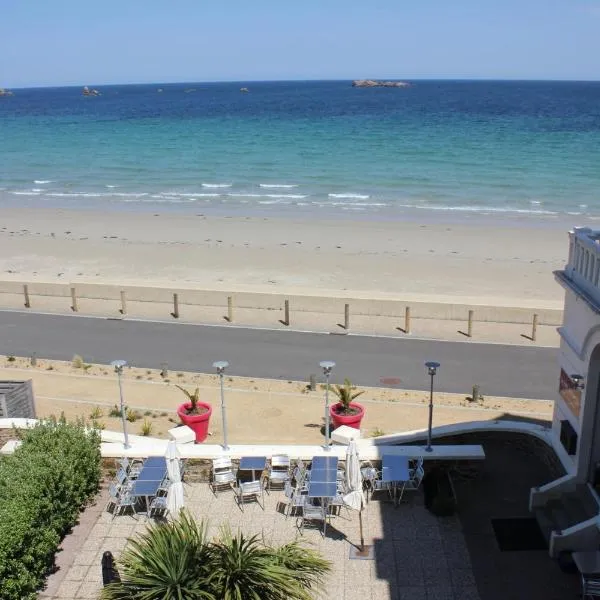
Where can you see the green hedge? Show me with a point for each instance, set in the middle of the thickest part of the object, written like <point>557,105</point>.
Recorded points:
<point>43,487</point>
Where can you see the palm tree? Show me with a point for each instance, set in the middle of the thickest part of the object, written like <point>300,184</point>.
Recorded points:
<point>176,561</point>
<point>346,393</point>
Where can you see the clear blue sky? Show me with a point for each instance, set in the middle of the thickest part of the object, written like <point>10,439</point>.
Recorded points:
<point>63,42</point>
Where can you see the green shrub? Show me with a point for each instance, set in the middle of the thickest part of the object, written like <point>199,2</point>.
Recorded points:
<point>132,415</point>
<point>115,411</point>
<point>147,427</point>
<point>43,487</point>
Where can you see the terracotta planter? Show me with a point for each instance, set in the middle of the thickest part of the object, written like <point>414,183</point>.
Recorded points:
<point>197,423</point>
<point>349,420</point>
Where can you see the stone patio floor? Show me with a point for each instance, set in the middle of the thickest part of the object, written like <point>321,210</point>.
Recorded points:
<point>417,556</point>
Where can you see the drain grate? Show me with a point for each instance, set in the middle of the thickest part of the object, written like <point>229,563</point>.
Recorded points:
<point>518,533</point>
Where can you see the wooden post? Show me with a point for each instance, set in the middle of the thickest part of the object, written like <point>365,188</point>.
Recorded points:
<point>176,306</point>
<point>534,325</point>
<point>470,325</point>
<point>230,309</point>
<point>407,319</point>
<point>475,396</point>
<point>312,386</point>
<point>346,317</point>
<point>74,306</point>
<point>26,294</point>
<point>286,310</point>
<point>123,303</point>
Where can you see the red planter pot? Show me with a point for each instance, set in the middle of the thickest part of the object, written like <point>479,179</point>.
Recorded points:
<point>197,423</point>
<point>349,420</point>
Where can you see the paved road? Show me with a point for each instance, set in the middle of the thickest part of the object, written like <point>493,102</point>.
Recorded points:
<point>515,371</point>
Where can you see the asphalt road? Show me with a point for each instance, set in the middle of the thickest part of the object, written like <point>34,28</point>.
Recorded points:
<point>515,371</point>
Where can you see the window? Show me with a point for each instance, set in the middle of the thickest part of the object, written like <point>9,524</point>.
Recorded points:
<point>568,437</point>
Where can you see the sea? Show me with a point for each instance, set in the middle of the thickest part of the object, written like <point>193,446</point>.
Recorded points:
<point>523,148</point>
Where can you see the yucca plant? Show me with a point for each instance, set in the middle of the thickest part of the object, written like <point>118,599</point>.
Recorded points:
<point>167,562</point>
<point>194,398</point>
<point>346,394</point>
<point>175,561</point>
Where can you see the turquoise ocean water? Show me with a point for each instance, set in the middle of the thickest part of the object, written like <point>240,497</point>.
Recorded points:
<point>515,148</point>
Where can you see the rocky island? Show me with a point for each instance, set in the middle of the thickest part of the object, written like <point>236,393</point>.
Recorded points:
<point>375,83</point>
<point>4,92</point>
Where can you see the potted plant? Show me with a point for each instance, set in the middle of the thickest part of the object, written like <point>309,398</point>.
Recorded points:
<point>195,414</point>
<point>345,411</point>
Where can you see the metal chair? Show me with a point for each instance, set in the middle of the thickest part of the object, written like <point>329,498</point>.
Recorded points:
<point>296,498</point>
<point>590,586</point>
<point>312,513</point>
<point>382,486</point>
<point>250,489</point>
<point>113,495</point>
<point>132,467</point>
<point>416,477</point>
<point>124,501</point>
<point>279,474</point>
<point>159,504</point>
<point>222,474</point>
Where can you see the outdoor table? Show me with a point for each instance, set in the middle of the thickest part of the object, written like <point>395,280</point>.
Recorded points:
<point>156,461</point>
<point>325,462</point>
<point>588,563</point>
<point>145,489</point>
<point>322,489</point>
<point>152,474</point>
<point>394,470</point>
<point>253,463</point>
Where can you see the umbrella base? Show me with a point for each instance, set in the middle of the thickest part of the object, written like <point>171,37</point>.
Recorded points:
<point>366,553</point>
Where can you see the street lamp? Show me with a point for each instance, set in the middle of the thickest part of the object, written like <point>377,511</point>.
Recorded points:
<point>220,366</point>
<point>327,366</point>
<point>432,368</point>
<point>118,366</point>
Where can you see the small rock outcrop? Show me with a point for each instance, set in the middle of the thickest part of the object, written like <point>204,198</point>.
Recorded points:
<point>4,92</point>
<point>375,83</point>
<point>244,90</point>
<point>87,92</point>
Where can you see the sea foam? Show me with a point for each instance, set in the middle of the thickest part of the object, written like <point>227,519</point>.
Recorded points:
<point>349,196</point>
<point>278,185</point>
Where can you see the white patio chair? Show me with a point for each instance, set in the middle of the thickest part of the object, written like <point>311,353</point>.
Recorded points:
<point>279,473</point>
<point>159,504</point>
<point>312,513</point>
<point>416,477</point>
<point>113,495</point>
<point>124,501</point>
<point>222,474</point>
<point>590,586</point>
<point>296,498</point>
<point>382,486</point>
<point>250,489</point>
<point>131,466</point>
<point>414,465</point>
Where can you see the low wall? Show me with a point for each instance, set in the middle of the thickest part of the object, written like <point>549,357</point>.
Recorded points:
<point>361,306</point>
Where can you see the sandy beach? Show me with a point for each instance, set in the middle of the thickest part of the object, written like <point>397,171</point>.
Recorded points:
<point>499,262</point>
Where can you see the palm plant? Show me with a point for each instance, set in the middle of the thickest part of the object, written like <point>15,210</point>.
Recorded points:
<point>175,561</point>
<point>193,398</point>
<point>167,562</point>
<point>346,394</point>
<point>244,569</point>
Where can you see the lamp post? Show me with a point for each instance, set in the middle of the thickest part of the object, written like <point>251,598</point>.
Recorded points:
<point>432,368</point>
<point>118,366</point>
<point>327,366</point>
<point>220,366</point>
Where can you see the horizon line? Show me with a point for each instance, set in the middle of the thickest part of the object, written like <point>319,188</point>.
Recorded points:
<point>255,81</point>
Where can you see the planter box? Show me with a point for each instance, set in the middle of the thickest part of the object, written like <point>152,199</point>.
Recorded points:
<point>197,423</point>
<point>348,420</point>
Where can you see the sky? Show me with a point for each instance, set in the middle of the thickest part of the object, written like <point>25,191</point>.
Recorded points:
<point>68,42</point>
